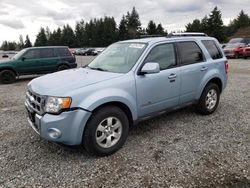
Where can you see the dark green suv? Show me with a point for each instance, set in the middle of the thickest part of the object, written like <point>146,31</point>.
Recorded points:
<point>36,60</point>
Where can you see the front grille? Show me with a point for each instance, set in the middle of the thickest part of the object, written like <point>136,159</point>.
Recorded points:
<point>35,102</point>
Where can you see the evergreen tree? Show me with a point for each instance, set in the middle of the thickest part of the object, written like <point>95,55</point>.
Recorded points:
<point>215,25</point>
<point>134,24</point>
<point>123,29</point>
<point>160,30</point>
<point>242,20</point>
<point>79,34</point>
<point>21,43</point>
<point>204,25</point>
<point>68,36</point>
<point>41,39</point>
<point>151,29</point>
<point>5,46</point>
<point>195,26</point>
<point>109,31</point>
<point>27,42</point>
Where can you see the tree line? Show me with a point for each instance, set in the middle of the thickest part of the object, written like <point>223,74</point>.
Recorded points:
<point>213,25</point>
<point>104,31</point>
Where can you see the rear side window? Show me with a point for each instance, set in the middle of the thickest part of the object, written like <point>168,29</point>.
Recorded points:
<point>62,52</point>
<point>190,52</point>
<point>212,49</point>
<point>46,53</point>
<point>163,54</point>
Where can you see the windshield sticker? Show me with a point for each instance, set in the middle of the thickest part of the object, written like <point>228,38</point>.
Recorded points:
<point>140,46</point>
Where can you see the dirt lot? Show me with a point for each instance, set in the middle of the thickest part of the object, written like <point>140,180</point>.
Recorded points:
<point>179,149</point>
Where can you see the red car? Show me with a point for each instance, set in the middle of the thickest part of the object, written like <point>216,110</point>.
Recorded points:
<point>234,50</point>
<point>246,52</point>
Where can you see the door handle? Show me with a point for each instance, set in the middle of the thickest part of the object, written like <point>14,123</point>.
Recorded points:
<point>204,68</point>
<point>171,76</point>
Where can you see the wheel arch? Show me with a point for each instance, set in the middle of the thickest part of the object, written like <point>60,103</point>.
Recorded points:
<point>120,105</point>
<point>9,68</point>
<point>217,80</point>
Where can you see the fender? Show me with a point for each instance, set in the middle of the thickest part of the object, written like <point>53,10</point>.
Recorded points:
<point>9,68</point>
<point>101,97</point>
<point>214,73</point>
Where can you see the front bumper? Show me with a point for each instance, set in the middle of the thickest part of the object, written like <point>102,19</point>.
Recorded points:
<point>66,128</point>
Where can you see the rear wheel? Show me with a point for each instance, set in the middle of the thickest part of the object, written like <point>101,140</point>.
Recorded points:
<point>7,77</point>
<point>209,99</point>
<point>62,67</point>
<point>106,131</point>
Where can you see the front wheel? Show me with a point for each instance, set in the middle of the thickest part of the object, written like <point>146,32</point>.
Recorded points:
<point>209,99</point>
<point>7,77</point>
<point>106,131</point>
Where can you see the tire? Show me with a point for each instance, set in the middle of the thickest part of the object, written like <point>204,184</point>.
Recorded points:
<point>237,55</point>
<point>245,57</point>
<point>209,99</point>
<point>98,138</point>
<point>7,77</point>
<point>62,67</point>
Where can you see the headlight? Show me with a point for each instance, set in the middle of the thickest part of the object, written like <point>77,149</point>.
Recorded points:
<point>56,104</point>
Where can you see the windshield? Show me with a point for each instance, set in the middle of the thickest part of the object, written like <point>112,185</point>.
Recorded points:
<point>118,58</point>
<point>234,45</point>
<point>236,40</point>
<point>19,54</point>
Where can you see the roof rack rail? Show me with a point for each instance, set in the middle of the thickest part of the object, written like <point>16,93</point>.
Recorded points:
<point>187,34</point>
<point>147,36</point>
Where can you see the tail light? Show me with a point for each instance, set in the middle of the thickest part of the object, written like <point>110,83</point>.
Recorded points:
<point>226,67</point>
<point>70,52</point>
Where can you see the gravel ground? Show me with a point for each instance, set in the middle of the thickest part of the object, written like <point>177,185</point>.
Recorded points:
<point>179,149</point>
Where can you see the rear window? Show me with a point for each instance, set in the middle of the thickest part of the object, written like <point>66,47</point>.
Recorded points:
<point>190,52</point>
<point>212,49</point>
<point>62,52</point>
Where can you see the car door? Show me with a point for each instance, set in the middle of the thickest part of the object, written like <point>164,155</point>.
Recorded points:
<point>29,62</point>
<point>48,60</point>
<point>159,91</point>
<point>192,69</point>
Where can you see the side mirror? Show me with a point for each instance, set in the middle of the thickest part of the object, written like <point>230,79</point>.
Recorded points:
<point>150,68</point>
<point>23,58</point>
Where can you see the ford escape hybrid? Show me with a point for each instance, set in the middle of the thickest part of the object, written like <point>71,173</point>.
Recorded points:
<point>130,81</point>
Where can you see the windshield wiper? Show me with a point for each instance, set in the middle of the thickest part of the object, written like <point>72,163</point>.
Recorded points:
<point>96,68</point>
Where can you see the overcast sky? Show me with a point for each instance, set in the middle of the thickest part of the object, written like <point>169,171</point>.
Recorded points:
<point>22,17</point>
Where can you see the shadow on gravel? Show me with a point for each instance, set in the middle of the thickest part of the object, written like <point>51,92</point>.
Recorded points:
<point>230,181</point>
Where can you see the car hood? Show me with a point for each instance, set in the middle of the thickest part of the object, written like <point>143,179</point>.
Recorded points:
<point>5,61</point>
<point>59,83</point>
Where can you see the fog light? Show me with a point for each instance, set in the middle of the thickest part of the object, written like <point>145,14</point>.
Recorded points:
<point>54,133</point>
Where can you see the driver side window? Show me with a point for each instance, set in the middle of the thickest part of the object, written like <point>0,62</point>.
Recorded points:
<point>163,54</point>
<point>32,54</point>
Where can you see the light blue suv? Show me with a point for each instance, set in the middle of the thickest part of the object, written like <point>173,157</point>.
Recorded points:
<point>130,81</point>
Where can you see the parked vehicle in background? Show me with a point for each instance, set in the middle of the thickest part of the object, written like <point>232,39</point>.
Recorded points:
<point>234,50</point>
<point>246,52</point>
<point>129,82</point>
<point>5,55</point>
<point>239,40</point>
<point>79,51</point>
<point>89,51</point>
<point>36,60</point>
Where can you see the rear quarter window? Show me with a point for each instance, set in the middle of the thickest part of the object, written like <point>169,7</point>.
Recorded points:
<point>62,52</point>
<point>190,52</point>
<point>212,49</point>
